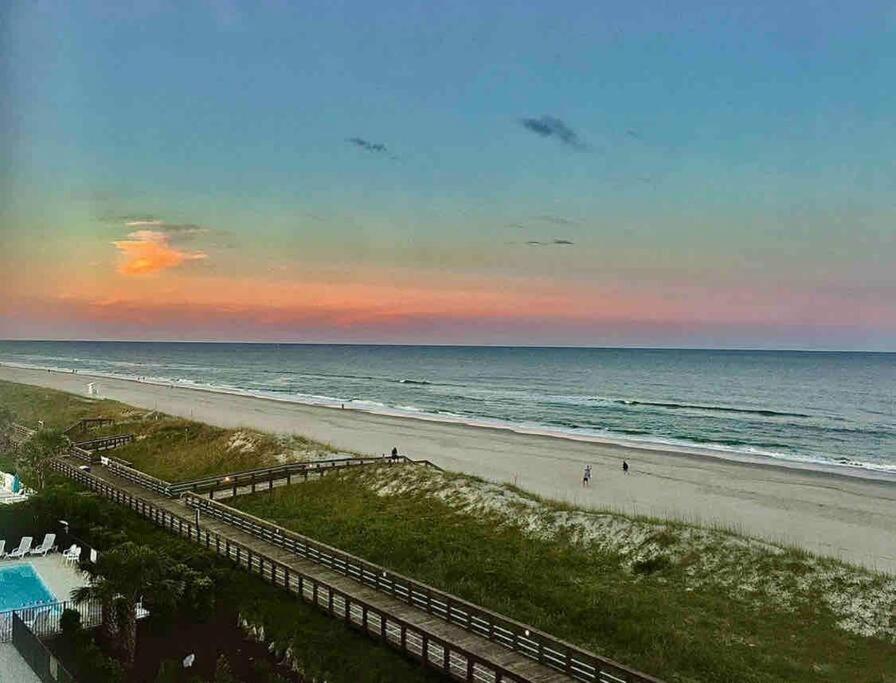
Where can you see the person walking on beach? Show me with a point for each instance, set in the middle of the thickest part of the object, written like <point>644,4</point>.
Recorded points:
<point>586,478</point>
<point>624,467</point>
<point>394,453</point>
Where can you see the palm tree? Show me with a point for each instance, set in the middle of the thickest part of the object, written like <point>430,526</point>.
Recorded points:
<point>36,451</point>
<point>121,577</point>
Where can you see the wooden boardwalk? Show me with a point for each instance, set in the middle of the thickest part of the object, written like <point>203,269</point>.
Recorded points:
<point>452,649</point>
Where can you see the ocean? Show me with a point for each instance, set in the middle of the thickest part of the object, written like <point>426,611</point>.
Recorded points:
<point>825,408</point>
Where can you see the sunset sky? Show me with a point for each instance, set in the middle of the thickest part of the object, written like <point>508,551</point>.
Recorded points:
<point>573,173</point>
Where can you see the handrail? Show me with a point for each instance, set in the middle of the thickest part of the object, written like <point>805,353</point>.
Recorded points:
<point>81,454</point>
<point>263,474</point>
<point>512,634</point>
<point>284,471</point>
<point>135,476</point>
<point>105,443</point>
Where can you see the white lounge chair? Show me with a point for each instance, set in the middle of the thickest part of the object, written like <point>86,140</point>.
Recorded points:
<point>2,548</point>
<point>73,554</point>
<point>46,546</point>
<point>22,550</point>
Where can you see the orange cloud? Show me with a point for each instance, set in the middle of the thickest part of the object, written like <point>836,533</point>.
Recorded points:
<point>150,251</point>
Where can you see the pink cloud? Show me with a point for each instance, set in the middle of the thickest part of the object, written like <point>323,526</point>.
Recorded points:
<point>150,251</point>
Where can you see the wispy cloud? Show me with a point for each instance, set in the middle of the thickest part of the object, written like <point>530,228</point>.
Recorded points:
<point>552,127</point>
<point>549,243</point>
<point>367,146</point>
<point>151,251</point>
<point>165,227</point>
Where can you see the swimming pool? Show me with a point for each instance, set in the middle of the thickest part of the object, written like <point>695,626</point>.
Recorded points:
<point>21,586</point>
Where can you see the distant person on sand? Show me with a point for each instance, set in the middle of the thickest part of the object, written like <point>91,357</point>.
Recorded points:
<point>625,467</point>
<point>394,453</point>
<point>586,478</point>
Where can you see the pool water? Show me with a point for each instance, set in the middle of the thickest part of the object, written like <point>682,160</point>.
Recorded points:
<point>21,586</point>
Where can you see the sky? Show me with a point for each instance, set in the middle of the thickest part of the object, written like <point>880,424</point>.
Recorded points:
<point>692,174</point>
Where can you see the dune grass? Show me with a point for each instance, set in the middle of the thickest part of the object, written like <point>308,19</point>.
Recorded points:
<point>647,611</point>
<point>58,410</point>
<point>167,447</point>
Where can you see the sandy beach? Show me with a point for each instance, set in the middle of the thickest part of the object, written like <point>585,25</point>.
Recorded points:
<point>847,517</point>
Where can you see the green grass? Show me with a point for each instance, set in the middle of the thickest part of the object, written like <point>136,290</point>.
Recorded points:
<point>58,410</point>
<point>648,615</point>
<point>170,448</point>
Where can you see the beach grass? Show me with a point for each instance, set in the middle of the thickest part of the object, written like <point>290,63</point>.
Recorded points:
<point>173,449</point>
<point>645,605</point>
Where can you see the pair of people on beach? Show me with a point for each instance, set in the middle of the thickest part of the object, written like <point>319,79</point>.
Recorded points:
<point>586,478</point>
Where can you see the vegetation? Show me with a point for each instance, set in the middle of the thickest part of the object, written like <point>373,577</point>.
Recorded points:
<point>32,456</point>
<point>122,576</point>
<point>649,613</point>
<point>320,647</point>
<point>82,655</point>
<point>167,447</point>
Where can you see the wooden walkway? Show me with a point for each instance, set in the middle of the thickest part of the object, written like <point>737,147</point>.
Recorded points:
<point>456,651</point>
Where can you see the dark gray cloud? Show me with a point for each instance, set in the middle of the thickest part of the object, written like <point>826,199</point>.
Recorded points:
<point>552,127</point>
<point>367,146</point>
<point>549,243</point>
<point>555,220</point>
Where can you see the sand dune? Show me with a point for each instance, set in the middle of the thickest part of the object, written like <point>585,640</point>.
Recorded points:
<point>848,517</point>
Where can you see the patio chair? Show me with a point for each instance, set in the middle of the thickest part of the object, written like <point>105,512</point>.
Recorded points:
<point>73,554</point>
<point>2,548</point>
<point>46,546</point>
<point>22,550</point>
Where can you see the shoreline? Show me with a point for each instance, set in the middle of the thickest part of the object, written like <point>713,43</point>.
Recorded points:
<point>838,514</point>
<point>759,459</point>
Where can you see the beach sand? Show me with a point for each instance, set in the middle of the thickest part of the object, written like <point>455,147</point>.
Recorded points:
<point>847,517</point>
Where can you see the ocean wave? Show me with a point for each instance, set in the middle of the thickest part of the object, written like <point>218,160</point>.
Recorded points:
<point>716,409</point>
<point>414,381</point>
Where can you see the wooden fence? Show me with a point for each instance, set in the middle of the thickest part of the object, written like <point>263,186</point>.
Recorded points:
<point>89,423</point>
<point>264,478</point>
<point>106,443</point>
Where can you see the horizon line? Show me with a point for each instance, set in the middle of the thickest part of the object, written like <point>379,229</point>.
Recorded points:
<point>458,346</point>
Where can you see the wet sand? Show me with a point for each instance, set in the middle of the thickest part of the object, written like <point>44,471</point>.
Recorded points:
<point>848,517</point>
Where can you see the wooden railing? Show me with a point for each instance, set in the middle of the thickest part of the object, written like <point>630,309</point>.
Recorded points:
<point>82,455</point>
<point>105,443</point>
<point>124,470</point>
<point>527,640</point>
<point>266,477</point>
<point>428,647</point>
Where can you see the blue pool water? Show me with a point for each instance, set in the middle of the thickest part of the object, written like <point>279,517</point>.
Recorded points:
<point>21,586</point>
